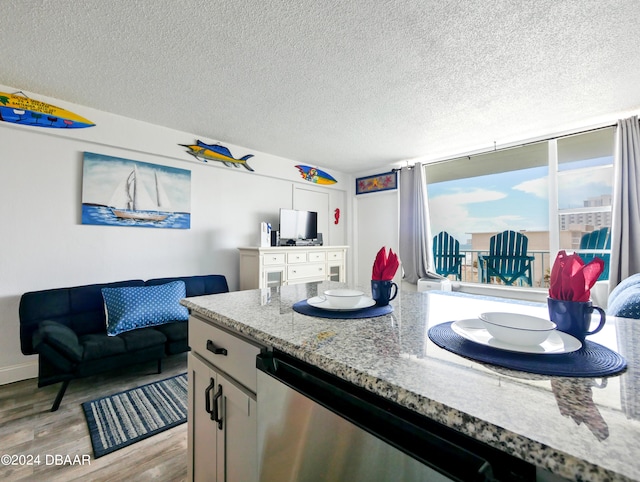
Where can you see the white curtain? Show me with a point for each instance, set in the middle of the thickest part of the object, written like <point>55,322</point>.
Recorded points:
<point>625,223</point>
<point>415,233</point>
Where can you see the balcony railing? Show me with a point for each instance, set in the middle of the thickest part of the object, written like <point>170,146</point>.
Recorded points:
<point>540,266</point>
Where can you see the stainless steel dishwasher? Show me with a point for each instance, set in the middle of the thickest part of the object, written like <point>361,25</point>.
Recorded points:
<point>313,426</point>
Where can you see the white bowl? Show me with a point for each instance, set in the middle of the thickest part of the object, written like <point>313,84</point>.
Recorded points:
<point>343,298</point>
<point>517,329</point>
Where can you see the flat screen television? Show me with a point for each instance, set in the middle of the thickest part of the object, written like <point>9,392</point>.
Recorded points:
<point>296,224</point>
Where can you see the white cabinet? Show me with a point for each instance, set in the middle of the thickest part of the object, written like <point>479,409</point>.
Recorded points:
<point>222,405</point>
<point>275,266</point>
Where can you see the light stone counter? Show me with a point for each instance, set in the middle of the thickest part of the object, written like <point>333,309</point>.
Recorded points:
<point>580,429</point>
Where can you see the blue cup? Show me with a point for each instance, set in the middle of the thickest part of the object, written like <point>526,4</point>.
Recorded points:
<point>574,317</point>
<point>381,291</point>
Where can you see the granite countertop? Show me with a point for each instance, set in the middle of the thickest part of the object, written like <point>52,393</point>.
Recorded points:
<point>578,428</point>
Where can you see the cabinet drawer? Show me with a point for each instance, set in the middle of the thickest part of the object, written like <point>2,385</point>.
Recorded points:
<point>334,255</point>
<point>275,258</point>
<point>240,358</point>
<point>317,271</point>
<point>315,257</point>
<point>297,257</point>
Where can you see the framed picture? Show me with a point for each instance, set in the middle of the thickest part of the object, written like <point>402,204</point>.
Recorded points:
<point>123,192</point>
<point>377,183</point>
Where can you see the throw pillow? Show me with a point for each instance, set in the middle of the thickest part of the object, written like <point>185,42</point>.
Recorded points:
<point>627,303</point>
<point>132,307</point>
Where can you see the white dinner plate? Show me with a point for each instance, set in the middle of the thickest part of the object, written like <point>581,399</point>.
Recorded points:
<point>557,342</point>
<point>324,304</point>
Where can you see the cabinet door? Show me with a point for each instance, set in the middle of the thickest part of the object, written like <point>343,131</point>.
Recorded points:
<point>239,432</point>
<point>222,432</point>
<point>202,430</point>
<point>336,272</point>
<point>272,277</point>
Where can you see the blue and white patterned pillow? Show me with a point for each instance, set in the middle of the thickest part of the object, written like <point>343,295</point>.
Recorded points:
<point>132,307</point>
<point>627,303</point>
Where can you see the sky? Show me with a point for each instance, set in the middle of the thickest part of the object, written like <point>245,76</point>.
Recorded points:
<point>516,200</point>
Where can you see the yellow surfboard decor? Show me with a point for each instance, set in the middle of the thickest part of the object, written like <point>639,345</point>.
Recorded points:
<point>315,175</point>
<point>23,110</point>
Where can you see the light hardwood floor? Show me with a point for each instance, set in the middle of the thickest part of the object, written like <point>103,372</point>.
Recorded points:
<point>28,428</point>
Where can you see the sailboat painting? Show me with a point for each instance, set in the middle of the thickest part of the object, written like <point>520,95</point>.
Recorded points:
<point>123,192</point>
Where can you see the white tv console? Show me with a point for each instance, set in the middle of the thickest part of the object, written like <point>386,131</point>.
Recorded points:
<point>283,265</point>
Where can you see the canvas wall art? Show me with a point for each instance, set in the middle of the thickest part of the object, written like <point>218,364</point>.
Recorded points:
<point>124,192</point>
<point>377,182</point>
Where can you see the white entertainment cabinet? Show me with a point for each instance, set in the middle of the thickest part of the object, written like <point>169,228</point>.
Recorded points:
<point>286,265</point>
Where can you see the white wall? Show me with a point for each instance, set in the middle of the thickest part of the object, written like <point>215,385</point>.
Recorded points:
<point>44,245</point>
<point>377,225</point>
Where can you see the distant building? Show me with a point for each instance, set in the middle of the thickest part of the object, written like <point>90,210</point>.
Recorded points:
<point>587,219</point>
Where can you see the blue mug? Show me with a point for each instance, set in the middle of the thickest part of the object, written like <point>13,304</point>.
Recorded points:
<point>574,317</point>
<point>381,291</point>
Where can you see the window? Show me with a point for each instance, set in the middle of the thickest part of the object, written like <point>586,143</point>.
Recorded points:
<point>474,198</point>
<point>585,185</point>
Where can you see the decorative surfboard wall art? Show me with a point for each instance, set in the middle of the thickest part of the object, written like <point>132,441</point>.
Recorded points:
<point>216,152</point>
<point>315,175</point>
<point>20,109</point>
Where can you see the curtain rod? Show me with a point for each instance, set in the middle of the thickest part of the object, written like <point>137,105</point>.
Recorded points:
<point>495,149</point>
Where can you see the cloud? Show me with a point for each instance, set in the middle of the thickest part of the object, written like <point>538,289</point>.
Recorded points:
<point>538,187</point>
<point>587,176</point>
<point>469,197</point>
<point>451,210</point>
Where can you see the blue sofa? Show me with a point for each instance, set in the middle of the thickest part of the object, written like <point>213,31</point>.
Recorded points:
<point>84,330</point>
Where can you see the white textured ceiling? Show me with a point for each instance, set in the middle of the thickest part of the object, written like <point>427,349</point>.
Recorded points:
<point>349,85</point>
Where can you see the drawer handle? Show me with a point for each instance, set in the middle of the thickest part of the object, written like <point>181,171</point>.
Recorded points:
<point>216,350</point>
<point>215,416</point>
<point>207,398</point>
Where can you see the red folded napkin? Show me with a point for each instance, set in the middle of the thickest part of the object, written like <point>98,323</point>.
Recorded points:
<point>385,266</point>
<point>571,279</point>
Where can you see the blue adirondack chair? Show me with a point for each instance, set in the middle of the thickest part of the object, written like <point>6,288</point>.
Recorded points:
<point>446,255</point>
<point>598,239</point>
<point>507,259</point>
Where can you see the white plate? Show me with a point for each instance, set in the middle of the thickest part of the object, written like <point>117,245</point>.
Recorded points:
<point>324,304</point>
<point>557,342</point>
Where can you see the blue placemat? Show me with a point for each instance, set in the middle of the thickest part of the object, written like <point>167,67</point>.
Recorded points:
<point>306,309</point>
<point>592,360</point>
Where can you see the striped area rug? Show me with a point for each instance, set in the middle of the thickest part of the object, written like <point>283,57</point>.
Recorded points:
<point>127,417</point>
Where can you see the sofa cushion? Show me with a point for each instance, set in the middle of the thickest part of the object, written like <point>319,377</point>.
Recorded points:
<point>143,338</point>
<point>197,285</point>
<point>100,346</point>
<point>130,308</point>
<point>174,331</point>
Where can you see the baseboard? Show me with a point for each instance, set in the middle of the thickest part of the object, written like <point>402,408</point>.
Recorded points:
<point>16,373</point>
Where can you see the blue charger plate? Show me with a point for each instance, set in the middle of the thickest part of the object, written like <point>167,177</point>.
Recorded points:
<point>371,312</point>
<point>592,360</point>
